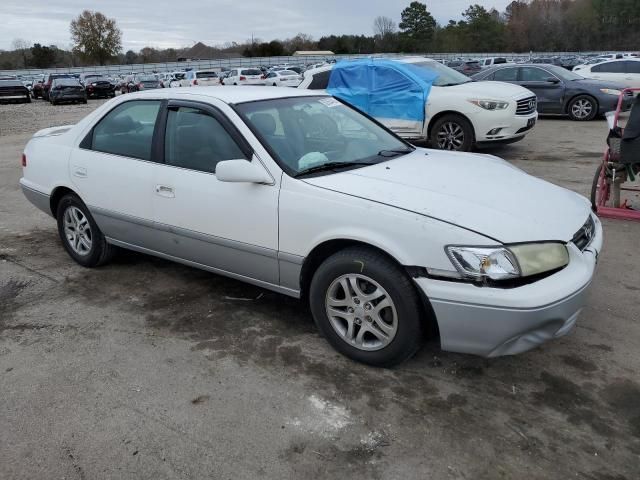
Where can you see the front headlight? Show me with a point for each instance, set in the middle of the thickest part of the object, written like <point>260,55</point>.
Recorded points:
<point>501,263</point>
<point>611,91</point>
<point>490,104</point>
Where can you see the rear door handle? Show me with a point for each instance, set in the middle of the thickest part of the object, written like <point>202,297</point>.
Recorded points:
<point>165,191</point>
<point>79,172</point>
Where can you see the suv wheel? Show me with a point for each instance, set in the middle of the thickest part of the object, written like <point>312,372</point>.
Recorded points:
<point>452,132</point>
<point>367,307</point>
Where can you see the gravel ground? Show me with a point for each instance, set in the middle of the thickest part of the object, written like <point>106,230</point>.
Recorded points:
<point>147,369</point>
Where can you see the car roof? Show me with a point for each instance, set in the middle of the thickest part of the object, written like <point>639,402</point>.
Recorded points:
<point>231,94</point>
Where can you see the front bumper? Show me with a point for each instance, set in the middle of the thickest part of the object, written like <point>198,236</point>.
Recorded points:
<point>492,322</point>
<point>510,125</point>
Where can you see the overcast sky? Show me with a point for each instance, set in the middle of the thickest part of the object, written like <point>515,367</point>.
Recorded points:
<point>180,23</point>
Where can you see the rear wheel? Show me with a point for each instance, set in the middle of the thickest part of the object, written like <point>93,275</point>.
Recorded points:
<point>452,132</point>
<point>367,307</point>
<point>80,235</point>
<point>582,108</point>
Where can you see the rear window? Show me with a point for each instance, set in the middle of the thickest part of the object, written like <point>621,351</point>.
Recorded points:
<point>251,71</point>
<point>320,81</point>
<point>609,67</point>
<point>149,78</point>
<point>65,81</point>
<point>206,74</point>
<point>499,60</point>
<point>287,72</point>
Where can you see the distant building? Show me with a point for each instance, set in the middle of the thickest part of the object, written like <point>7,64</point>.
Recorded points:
<point>312,52</point>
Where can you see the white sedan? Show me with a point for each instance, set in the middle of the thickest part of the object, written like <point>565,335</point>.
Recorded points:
<point>282,78</point>
<point>624,71</point>
<point>301,194</point>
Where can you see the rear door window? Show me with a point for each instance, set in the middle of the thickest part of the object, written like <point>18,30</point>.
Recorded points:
<point>127,130</point>
<point>632,66</point>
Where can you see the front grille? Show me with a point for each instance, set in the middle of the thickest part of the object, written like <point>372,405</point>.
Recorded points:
<point>526,106</point>
<point>583,237</point>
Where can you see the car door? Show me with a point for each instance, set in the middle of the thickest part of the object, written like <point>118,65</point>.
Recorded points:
<point>548,88</point>
<point>113,171</point>
<point>232,227</point>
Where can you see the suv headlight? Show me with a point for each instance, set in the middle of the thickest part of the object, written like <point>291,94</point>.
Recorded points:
<point>490,104</point>
<point>500,263</point>
<point>611,91</point>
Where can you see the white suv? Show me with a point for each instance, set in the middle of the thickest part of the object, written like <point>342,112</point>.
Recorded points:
<point>244,76</point>
<point>460,113</point>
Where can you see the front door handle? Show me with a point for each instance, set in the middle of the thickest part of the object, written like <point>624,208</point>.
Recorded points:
<point>165,191</point>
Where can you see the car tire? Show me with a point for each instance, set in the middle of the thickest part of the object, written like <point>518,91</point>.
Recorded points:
<point>91,249</point>
<point>84,101</point>
<point>452,132</point>
<point>582,108</point>
<point>397,325</point>
<point>28,99</point>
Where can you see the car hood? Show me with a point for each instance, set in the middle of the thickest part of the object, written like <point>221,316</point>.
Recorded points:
<point>481,193</point>
<point>489,89</point>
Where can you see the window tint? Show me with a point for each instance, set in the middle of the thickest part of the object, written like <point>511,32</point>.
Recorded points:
<point>632,67</point>
<point>506,75</point>
<point>196,140</point>
<point>320,80</point>
<point>609,67</point>
<point>251,71</point>
<point>127,130</point>
<point>533,74</point>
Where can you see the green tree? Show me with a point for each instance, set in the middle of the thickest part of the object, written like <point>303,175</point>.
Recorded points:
<point>42,56</point>
<point>417,26</point>
<point>95,36</point>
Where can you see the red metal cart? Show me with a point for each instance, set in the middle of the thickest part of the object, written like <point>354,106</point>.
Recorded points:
<point>612,178</point>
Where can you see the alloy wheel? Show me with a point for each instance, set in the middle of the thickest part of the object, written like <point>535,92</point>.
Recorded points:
<point>450,136</point>
<point>361,312</point>
<point>582,108</point>
<point>77,230</point>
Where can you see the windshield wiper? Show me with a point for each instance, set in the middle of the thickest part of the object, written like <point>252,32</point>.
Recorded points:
<point>394,153</point>
<point>331,166</point>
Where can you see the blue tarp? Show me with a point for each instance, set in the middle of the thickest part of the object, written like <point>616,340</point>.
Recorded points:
<point>383,88</point>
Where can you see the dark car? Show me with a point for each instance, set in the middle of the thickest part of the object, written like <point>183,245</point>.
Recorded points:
<point>141,82</point>
<point>67,90</point>
<point>97,86</point>
<point>14,91</point>
<point>468,68</point>
<point>48,80</point>
<point>559,90</point>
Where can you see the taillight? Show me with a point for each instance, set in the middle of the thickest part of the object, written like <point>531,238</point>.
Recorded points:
<point>24,160</point>
<point>195,82</point>
<point>243,78</point>
<point>140,86</point>
<point>263,77</point>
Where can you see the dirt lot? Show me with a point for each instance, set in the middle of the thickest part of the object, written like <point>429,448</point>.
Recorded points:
<point>147,369</point>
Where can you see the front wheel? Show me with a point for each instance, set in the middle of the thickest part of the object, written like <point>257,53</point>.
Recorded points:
<point>582,108</point>
<point>367,307</point>
<point>80,235</point>
<point>452,132</point>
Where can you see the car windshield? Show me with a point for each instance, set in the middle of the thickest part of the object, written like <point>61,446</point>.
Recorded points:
<point>305,133</point>
<point>564,74</point>
<point>446,76</point>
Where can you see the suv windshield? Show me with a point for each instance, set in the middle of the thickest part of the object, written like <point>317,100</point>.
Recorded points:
<point>446,76</point>
<point>305,133</point>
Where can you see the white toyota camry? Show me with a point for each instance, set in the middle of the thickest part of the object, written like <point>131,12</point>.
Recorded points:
<point>299,193</point>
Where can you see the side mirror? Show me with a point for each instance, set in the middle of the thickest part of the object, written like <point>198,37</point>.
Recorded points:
<point>242,171</point>
<point>553,80</point>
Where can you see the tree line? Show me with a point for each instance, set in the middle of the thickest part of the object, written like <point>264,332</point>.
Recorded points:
<point>525,25</point>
